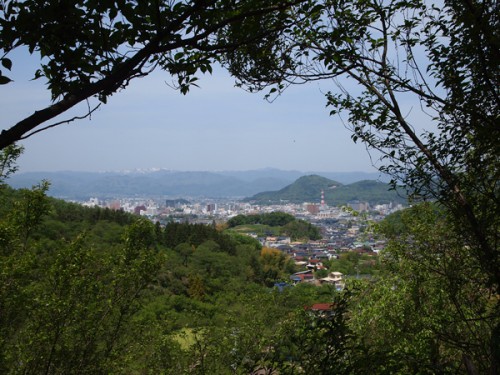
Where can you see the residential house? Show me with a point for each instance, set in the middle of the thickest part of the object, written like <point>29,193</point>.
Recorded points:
<point>323,310</point>
<point>302,276</point>
<point>334,278</point>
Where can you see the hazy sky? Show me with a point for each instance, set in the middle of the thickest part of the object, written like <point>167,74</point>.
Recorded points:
<point>214,127</point>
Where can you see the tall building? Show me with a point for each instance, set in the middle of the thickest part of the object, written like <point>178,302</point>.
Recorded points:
<point>358,206</point>
<point>312,208</point>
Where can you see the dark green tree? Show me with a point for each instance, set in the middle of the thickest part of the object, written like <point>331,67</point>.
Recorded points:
<point>185,250</point>
<point>300,229</point>
<point>317,341</point>
<point>8,158</point>
<point>383,55</point>
<point>272,219</point>
<point>429,312</point>
<point>419,83</point>
<point>66,305</point>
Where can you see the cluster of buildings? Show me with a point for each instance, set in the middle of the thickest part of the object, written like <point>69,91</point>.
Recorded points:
<point>343,229</point>
<point>198,210</point>
<point>311,256</point>
<point>335,279</point>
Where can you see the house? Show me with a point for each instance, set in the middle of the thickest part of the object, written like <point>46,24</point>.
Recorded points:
<point>314,264</point>
<point>323,256</point>
<point>302,276</point>
<point>334,278</point>
<point>321,307</point>
<point>300,260</point>
<point>284,240</point>
<point>323,310</point>
<point>287,249</point>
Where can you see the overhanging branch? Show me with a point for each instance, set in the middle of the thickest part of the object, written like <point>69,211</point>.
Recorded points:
<point>88,114</point>
<point>128,69</point>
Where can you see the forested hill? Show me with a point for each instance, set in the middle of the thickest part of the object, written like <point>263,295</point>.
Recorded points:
<point>308,189</point>
<point>94,291</point>
<point>305,189</point>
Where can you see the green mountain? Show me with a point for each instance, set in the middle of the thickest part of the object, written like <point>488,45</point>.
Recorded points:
<point>308,189</point>
<point>373,192</point>
<point>305,189</point>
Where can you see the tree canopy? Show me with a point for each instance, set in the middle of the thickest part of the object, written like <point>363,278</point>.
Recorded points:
<point>382,55</point>
<point>436,310</point>
<point>420,83</point>
<point>271,219</point>
<point>92,49</point>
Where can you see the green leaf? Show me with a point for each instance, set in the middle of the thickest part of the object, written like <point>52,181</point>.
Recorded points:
<point>4,80</point>
<point>38,74</point>
<point>7,63</point>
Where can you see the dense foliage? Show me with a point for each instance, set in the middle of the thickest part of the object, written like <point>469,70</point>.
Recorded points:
<point>68,295</point>
<point>87,290</point>
<point>275,223</point>
<point>272,219</point>
<point>429,312</point>
<point>384,54</point>
<point>444,146</point>
<point>70,302</point>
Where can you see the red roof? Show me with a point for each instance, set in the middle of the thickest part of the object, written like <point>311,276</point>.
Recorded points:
<point>322,306</point>
<point>306,276</point>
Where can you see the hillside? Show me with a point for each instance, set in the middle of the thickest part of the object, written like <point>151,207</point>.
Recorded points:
<point>305,189</point>
<point>94,291</point>
<point>173,184</point>
<point>308,189</point>
<point>373,192</point>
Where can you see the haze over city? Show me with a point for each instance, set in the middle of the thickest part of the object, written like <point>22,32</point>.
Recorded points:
<point>214,127</point>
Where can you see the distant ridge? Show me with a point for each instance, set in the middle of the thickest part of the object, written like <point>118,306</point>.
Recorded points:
<point>308,189</point>
<point>171,184</point>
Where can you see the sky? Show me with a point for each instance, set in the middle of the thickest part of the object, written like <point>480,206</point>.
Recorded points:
<point>216,127</point>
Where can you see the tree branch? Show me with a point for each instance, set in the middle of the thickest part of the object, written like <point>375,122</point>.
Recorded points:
<point>127,69</point>
<point>62,122</point>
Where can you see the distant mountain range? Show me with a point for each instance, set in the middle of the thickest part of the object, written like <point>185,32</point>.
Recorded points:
<point>174,184</point>
<point>308,189</point>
